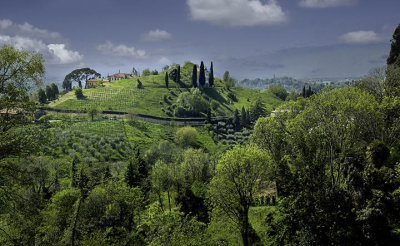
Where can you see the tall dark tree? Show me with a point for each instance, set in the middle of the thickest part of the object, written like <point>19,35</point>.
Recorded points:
<point>209,114</point>
<point>236,120</point>
<point>49,93</point>
<point>178,74</point>
<point>166,79</point>
<point>130,174</point>
<point>42,96</point>
<point>226,76</point>
<point>107,174</point>
<point>55,90</point>
<point>202,75</point>
<point>74,173</point>
<point>243,121</point>
<point>394,56</point>
<point>211,78</point>
<point>136,172</point>
<point>309,91</point>
<point>303,94</point>
<point>194,76</point>
<point>79,75</point>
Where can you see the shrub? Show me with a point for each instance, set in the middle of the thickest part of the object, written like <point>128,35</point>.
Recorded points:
<point>186,137</point>
<point>232,96</point>
<point>79,94</point>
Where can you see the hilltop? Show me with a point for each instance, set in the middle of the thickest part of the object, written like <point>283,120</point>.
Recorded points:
<point>156,100</point>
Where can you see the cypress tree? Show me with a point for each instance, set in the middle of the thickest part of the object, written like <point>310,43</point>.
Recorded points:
<point>243,117</point>
<point>178,75</point>
<point>74,175</point>
<point>107,174</point>
<point>303,94</point>
<point>130,174</point>
<point>55,90</point>
<point>211,78</point>
<point>202,75</point>
<point>309,91</point>
<point>209,115</point>
<point>194,76</point>
<point>236,120</point>
<point>166,79</point>
<point>49,93</point>
<point>42,96</point>
<point>226,76</point>
<point>248,120</point>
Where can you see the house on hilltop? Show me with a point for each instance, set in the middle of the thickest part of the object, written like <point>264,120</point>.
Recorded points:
<point>91,83</point>
<point>119,75</point>
<point>94,83</point>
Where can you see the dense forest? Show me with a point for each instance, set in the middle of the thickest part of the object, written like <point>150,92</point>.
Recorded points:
<point>322,169</point>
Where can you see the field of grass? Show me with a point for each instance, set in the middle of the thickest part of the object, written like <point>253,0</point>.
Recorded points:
<point>141,133</point>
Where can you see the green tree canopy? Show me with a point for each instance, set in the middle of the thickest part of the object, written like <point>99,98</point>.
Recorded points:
<point>238,176</point>
<point>394,56</point>
<point>278,91</point>
<point>79,75</point>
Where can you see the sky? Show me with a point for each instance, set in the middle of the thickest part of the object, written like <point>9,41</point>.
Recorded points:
<point>250,38</point>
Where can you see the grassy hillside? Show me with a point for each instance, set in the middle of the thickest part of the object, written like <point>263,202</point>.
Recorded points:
<point>155,99</point>
<point>138,133</point>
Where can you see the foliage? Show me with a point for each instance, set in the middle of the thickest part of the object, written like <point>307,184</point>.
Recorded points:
<point>202,76</point>
<point>321,158</point>
<point>194,76</point>
<point>146,72</point>
<point>211,78</point>
<point>42,96</point>
<point>191,104</point>
<point>394,56</point>
<point>226,76</point>
<point>92,112</point>
<point>79,93</point>
<point>257,110</point>
<point>238,176</point>
<point>186,137</point>
<point>392,82</point>
<point>278,91</point>
<point>166,79</point>
<point>79,75</point>
<point>374,82</point>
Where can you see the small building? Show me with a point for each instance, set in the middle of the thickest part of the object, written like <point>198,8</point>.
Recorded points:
<point>120,76</point>
<point>91,83</point>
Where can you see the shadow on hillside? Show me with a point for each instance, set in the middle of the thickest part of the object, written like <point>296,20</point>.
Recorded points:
<point>213,93</point>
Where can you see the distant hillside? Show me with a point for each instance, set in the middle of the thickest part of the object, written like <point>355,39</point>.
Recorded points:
<point>155,99</point>
<point>292,84</point>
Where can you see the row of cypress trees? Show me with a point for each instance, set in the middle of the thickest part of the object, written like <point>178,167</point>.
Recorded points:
<point>202,76</point>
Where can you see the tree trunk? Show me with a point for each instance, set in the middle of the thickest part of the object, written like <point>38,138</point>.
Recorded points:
<point>169,201</point>
<point>75,222</point>
<point>160,201</point>
<point>244,230</point>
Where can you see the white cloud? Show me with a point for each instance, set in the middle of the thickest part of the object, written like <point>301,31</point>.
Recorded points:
<point>64,55</point>
<point>27,30</point>
<point>53,53</point>
<point>156,35</point>
<point>237,12</point>
<point>326,3</point>
<point>120,50</point>
<point>4,24</point>
<point>360,37</point>
<point>164,61</point>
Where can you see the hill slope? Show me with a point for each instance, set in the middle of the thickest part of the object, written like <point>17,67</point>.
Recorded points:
<point>155,99</point>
